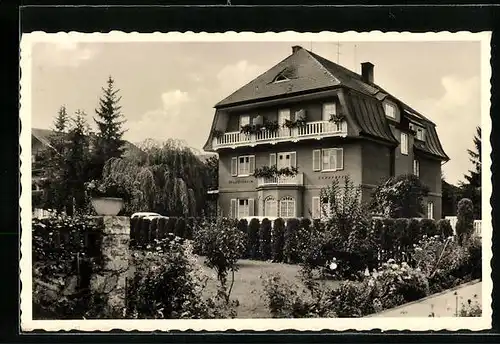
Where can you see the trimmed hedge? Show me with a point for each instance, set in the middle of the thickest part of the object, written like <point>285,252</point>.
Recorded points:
<point>265,239</point>
<point>278,243</point>
<point>253,238</point>
<point>290,245</point>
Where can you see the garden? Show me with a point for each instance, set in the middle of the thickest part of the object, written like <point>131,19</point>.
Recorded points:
<point>348,264</point>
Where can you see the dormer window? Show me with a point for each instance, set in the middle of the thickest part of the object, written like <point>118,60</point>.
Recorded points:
<point>281,78</point>
<point>419,131</point>
<point>390,110</point>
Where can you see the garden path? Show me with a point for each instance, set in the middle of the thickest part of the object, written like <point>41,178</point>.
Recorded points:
<point>444,304</point>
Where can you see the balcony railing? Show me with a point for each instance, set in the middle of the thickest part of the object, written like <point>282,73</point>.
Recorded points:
<point>317,129</point>
<point>297,179</point>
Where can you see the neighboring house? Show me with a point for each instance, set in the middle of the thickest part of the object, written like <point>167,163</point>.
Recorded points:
<point>373,135</point>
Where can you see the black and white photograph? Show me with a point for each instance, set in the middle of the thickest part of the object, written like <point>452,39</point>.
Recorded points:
<point>255,181</point>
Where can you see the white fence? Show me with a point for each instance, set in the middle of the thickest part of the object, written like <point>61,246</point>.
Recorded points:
<point>453,221</point>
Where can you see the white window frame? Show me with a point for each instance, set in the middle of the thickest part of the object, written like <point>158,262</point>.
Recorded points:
<point>430,210</point>
<point>420,134</point>
<point>243,209</point>
<point>390,110</point>
<point>291,164</point>
<point>244,120</point>
<point>285,205</point>
<point>416,167</point>
<point>326,114</point>
<point>334,152</point>
<point>272,200</point>
<point>404,143</point>
<point>247,171</point>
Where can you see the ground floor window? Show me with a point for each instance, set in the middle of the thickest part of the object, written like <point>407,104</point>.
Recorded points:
<point>430,210</point>
<point>287,207</point>
<point>270,207</point>
<point>243,208</point>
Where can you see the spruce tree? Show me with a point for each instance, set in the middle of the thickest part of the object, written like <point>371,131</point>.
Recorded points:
<point>471,188</point>
<point>108,140</point>
<point>77,160</point>
<point>53,164</point>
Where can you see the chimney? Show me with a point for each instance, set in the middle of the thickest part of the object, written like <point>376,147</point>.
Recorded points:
<point>367,72</point>
<point>296,48</point>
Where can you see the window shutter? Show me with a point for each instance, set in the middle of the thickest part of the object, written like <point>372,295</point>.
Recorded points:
<point>251,161</point>
<point>251,207</point>
<point>293,159</point>
<point>234,209</point>
<point>272,159</point>
<point>315,208</point>
<point>317,160</point>
<point>340,158</point>
<point>234,166</point>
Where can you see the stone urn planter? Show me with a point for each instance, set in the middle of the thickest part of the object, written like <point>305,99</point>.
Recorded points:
<point>107,206</point>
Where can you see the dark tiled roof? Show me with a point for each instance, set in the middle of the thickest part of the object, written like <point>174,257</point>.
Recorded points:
<point>431,145</point>
<point>42,135</point>
<point>369,116</point>
<point>303,70</point>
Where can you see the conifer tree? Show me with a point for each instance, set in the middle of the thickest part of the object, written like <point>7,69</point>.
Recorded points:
<point>108,141</point>
<point>471,188</point>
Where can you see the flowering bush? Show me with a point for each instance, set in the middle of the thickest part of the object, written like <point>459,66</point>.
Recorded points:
<point>222,245</point>
<point>107,188</point>
<point>168,285</point>
<point>471,309</point>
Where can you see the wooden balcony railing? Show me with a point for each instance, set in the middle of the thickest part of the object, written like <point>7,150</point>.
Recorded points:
<point>317,129</point>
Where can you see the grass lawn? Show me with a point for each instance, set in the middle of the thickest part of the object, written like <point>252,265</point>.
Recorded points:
<point>248,289</point>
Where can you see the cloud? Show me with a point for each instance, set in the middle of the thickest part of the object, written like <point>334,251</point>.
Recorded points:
<point>180,117</point>
<point>64,53</point>
<point>456,114</point>
<point>236,75</point>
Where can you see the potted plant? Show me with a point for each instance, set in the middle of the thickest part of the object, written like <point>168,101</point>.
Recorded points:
<point>107,196</point>
<point>337,118</point>
<point>217,133</point>
<point>271,126</point>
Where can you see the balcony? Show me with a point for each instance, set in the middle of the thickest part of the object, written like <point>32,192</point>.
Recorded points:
<point>313,130</point>
<point>296,180</point>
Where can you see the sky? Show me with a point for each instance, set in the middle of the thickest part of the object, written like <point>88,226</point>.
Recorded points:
<point>168,89</point>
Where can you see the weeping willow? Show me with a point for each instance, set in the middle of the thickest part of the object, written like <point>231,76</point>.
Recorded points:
<point>168,178</point>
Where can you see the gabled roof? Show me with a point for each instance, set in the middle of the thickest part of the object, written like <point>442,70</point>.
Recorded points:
<point>306,72</point>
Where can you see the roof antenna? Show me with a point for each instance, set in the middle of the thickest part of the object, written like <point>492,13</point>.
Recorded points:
<point>338,51</point>
<point>355,62</point>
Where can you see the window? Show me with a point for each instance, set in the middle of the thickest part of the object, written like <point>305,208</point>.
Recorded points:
<point>390,110</point>
<point>242,207</point>
<point>416,167</point>
<point>287,207</point>
<point>283,115</point>
<point>321,207</point>
<point>244,120</point>
<point>330,159</point>
<point>281,78</point>
<point>404,143</point>
<point>430,210</point>
<point>285,160</point>
<point>419,131</point>
<point>329,109</point>
<point>270,207</point>
<point>243,165</point>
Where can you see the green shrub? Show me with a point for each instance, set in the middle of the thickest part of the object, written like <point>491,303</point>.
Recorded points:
<point>265,239</point>
<point>144,232</point>
<point>429,227</point>
<point>305,224</point>
<point>180,227</point>
<point>253,238</point>
<point>153,229</point>
<point>290,247</point>
<point>243,225</point>
<point>190,227</point>
<point>168,285</point>
<point>277,241</point>
<point>162,227</point>
<point>171,222</point>
<point>465,220</point>
<point>318,225</point>
<point>414,230</point>
<point>444,228</point>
